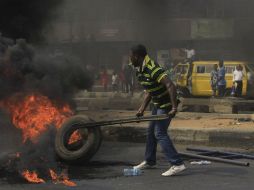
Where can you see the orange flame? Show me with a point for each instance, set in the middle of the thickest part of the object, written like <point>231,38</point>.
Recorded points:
<point>32,177</point>
<point>67,182</point>
<point>33,114</point>
<point>63,178</point>
<point>76,136</point>
<point>53,176</point>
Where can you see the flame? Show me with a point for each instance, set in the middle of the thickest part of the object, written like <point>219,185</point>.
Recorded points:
<point>53,176</point>
<point>33,114</point>
<point>67,182</point>
<point>63,178</point>
<point>76,136</point>
<point>32,177</point>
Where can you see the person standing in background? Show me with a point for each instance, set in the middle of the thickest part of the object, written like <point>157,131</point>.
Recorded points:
<point>238,80</point>
<point>221,79</point>
<point>122,81</point>
<point>104,79</point>
<point>115,82</point>
<point>128,75</point>
<point>214,80</point>
<point>190,54</point>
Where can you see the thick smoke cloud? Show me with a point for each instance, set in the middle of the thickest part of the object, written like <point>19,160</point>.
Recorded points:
<point>26,18</point>
<point>26,70</point>
<point>55,76</point>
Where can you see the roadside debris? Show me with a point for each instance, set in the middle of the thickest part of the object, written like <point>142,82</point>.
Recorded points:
<point>132,172</point>
<point>201,162</point>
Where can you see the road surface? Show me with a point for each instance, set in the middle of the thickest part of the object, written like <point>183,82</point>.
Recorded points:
<point>105,173</point>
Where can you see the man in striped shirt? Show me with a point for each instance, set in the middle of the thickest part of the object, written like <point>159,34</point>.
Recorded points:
<point>162,91</point>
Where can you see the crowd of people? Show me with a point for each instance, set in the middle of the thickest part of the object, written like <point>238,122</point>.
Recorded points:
<point>122,81</point>
<point>218,81</point>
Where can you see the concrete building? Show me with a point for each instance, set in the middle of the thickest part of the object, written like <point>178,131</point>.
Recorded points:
<point>101,32</point>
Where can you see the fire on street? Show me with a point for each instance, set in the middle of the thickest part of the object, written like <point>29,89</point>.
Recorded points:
<point>106,172</point>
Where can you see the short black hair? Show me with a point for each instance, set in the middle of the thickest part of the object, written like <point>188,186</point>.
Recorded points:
<point>139,50</point>
<point>221,62</point>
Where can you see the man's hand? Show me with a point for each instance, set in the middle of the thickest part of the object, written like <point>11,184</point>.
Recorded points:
<point>172,113</point>
<point>140,113</point>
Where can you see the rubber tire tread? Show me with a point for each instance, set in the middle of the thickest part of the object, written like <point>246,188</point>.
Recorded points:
<point>85,153</point>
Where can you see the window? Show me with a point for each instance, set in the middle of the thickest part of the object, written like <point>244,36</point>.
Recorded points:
<point>182,69</point>
<point>230,69</point>
<point>201,69</point>
<point>204,68</point>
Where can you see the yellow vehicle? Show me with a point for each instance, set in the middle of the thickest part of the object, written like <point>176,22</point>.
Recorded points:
<point>194,79</point>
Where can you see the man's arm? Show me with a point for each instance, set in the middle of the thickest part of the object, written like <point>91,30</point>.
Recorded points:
<point>234,76</point>
<point>172,92</point>
<point>219,75</point>
<point>144,105</point>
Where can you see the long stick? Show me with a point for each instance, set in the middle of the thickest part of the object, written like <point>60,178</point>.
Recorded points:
<point>126,120</point>
<point>226,161</point>
<point>222,152</point>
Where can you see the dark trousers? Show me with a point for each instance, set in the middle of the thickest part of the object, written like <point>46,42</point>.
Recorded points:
<point>158,133</point>
<point>221,90</point>
<point>115,87</point>
<point>239,88</point>
<point>129,87</point>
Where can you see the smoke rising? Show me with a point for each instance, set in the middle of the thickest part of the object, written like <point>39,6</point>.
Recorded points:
<point>24,70</point>
<point>26,19</point>
<point>57,77</point>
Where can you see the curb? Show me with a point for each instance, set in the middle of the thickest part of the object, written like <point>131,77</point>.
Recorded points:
<point>217,138</point>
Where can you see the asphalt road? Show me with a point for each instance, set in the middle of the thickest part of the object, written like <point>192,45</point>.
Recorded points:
<point>105,172</point>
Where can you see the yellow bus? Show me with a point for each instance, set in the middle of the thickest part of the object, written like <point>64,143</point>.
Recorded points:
<point>194,79</point>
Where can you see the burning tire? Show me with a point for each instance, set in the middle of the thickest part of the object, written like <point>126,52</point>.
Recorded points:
<point>81,150</point>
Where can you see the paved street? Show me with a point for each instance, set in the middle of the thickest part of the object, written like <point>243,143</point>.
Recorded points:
<point>105,172</point>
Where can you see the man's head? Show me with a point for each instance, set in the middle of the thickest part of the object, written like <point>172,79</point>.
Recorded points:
<point>221,63</point>
<point>215,66</point>
<point>239,67</point>
<point>137,55</point>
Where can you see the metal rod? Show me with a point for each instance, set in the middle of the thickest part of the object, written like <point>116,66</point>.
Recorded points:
<point>226,161</point>
<point>222,152</point>
<point>231,157</point>
<point>202,150</point>
<point>207,153</point>
<point>215,154</point>
<point>126,120</point>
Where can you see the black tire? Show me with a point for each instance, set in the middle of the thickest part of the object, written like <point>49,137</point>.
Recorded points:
<point>86,150</point>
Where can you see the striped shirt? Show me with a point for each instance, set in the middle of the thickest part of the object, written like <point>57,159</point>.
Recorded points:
<point>150,76</point>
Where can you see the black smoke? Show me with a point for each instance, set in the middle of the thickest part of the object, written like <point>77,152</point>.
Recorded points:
<point>24,70</point>
<point>26,18</point>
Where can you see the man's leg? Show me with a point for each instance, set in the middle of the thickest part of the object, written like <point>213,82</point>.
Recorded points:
<point>221,90</point>
<point>161,129</point>
<point>151,146</point>
<point>161,133</point>
<point>224,90</point>
<point>213,90</point>
<point>240,88</point>
<point>127,87</point>
<point>151,143</point>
